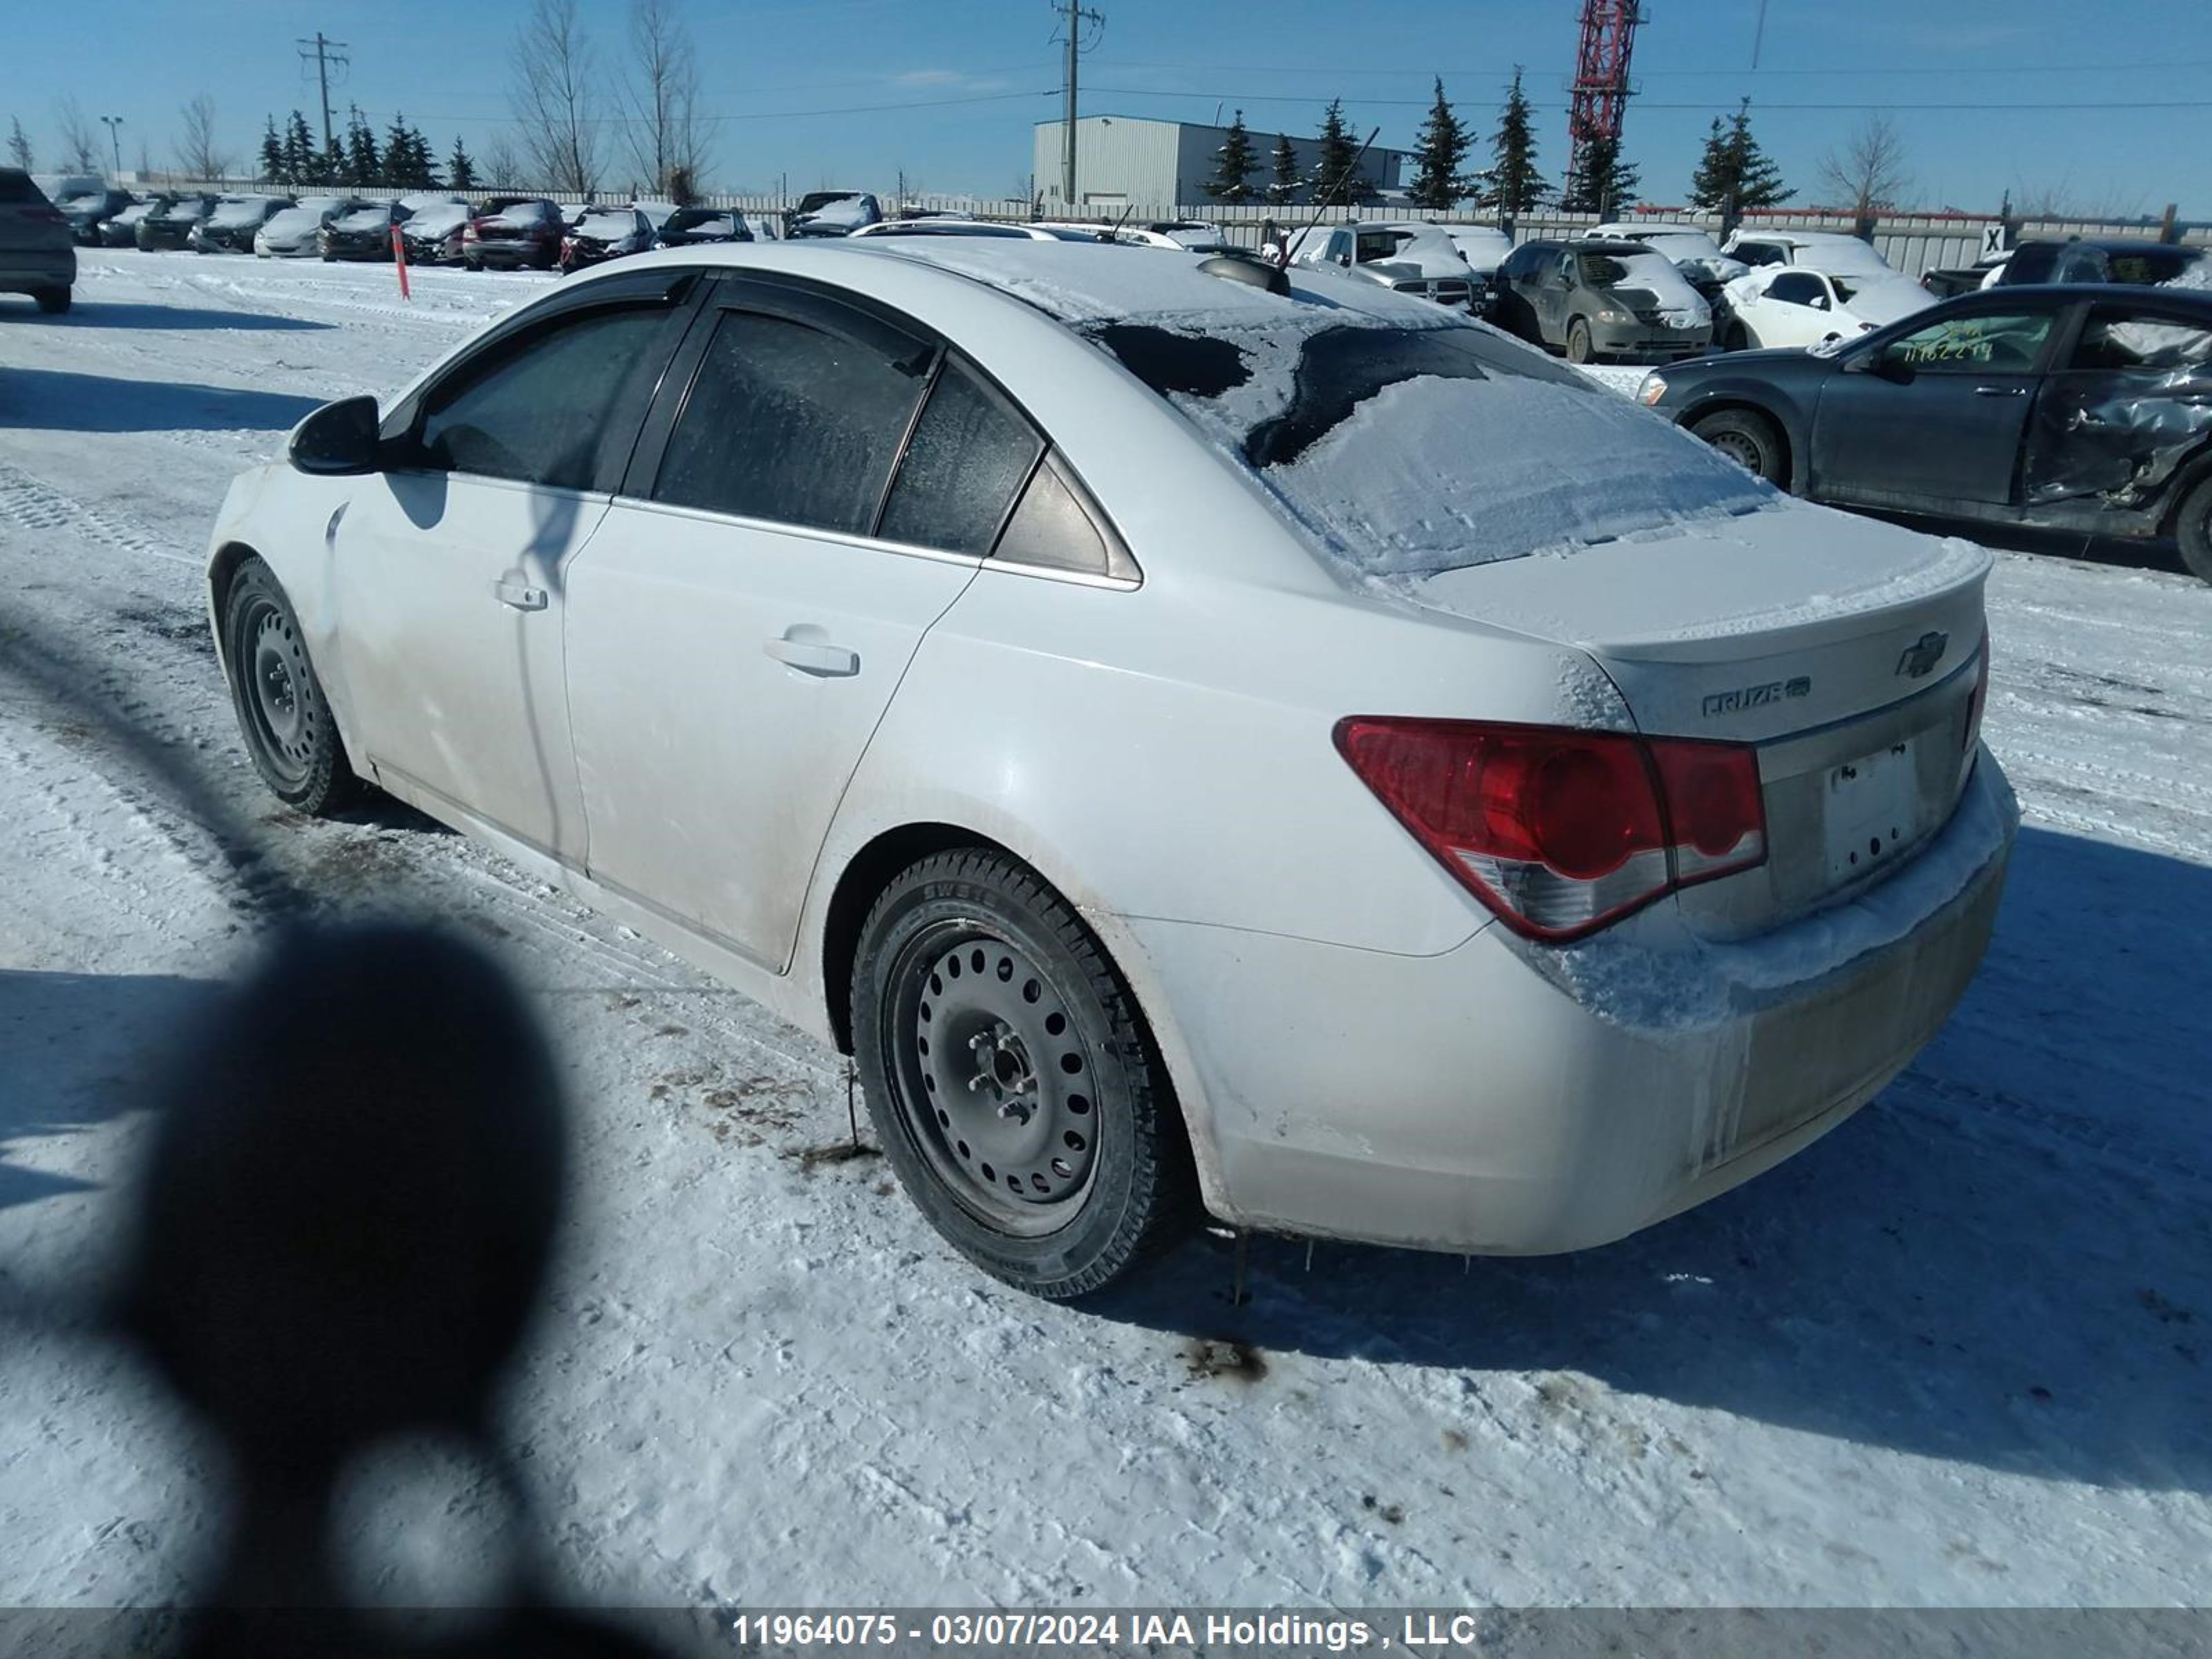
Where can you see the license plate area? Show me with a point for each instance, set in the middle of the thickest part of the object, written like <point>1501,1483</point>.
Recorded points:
<point>1871,811</point>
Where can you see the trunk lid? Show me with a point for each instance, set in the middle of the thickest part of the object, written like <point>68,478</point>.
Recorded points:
<point>1846,650</point>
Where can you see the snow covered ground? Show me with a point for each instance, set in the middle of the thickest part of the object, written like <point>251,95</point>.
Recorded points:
<point>1959,1352</point>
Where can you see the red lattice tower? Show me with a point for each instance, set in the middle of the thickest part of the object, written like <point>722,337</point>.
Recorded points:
<point>1600,88</point>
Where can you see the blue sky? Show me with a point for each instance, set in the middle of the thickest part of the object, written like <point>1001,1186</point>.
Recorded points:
<point>819,87</point>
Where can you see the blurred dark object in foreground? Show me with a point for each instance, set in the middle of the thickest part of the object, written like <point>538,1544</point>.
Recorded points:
<point>345,1224</point>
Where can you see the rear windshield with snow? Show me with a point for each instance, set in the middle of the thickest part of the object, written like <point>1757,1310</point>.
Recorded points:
<point>609,225</point>
<point>526,213</point>
<point>367,218</point>
<point>1410,448</point>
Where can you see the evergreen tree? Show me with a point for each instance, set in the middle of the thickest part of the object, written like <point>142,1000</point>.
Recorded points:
<point>1283,186</point>
<point>363,165</point>
<point>19,145</point>
<point>1232,165</point>
<point>1606,184</point>
<point>301,164</point>
<point>1513,186</point>
<point>1334,179</point>
<point>272,155</point>
<point>407,163</point>
<point>1443,142</point>
<point>1734,167</point>
<point>461,171</point>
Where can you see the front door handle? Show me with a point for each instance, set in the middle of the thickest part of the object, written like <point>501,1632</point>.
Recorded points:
<point>816,657</point>
<point>2000,391</point>
<point>521,595</point>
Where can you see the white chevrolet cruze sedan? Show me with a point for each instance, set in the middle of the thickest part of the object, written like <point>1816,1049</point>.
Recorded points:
<point>1288,750</point>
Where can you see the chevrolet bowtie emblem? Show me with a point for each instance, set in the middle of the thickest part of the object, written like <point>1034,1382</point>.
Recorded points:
<point>1921,657</point>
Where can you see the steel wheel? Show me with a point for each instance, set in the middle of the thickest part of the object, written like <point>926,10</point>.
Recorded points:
<point>1012,1084</point>
<point>992,1074</point>
<point>282,711</point>
<point>273,671</point>
<point>1578,342</point>
<point>1742,448</point>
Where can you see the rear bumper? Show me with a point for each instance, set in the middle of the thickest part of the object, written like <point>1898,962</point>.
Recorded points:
<point>1514,1100</point>
<point>22,270</point>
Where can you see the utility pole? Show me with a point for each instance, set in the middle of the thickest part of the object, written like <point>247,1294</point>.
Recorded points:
<point>114,125</point>
<point>325,52</point>
<point>1076,15</point>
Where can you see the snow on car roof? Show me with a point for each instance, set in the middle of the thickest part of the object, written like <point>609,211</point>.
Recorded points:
<point>1406,438</point>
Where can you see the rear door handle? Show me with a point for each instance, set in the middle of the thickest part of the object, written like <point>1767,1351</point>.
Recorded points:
<point>2000,391</point>
<point>521,595</point>
<point>815,657</point>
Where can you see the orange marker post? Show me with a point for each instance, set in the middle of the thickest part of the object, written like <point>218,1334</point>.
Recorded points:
<point>399,263</point>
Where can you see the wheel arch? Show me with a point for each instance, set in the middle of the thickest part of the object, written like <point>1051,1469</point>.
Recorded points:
<point>223,571</point>
<point>2192,472</point>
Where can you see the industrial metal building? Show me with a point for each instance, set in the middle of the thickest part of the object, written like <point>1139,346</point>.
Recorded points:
<point>1121,159</point>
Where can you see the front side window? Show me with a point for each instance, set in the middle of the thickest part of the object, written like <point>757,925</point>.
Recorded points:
<point>968,454</point>
<point>791,422</point>
<point>553,407</point>
<point>1987,343</point>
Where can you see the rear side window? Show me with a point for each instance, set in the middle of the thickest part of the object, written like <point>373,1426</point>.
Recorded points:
<point>969,455</point>
<point>792,424</point>
<point>1053,530</point>
<point>558,408</point>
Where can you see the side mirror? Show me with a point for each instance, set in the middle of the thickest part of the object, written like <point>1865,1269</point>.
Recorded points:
<point>338,439</point>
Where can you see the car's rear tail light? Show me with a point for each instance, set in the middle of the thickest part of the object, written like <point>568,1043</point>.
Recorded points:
<point>1978,705</point>
<point>1561,831</point>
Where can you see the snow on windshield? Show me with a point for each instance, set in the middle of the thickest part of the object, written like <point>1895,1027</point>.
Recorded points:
<point>606,224</point>
<point>367,218</point>
<point>438,221</point>
<point>1651,273</point>
<point>248,212</point>
<point>522,213</point>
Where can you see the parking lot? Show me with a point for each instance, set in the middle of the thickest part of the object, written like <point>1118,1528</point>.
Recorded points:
<point>1955,1353</point>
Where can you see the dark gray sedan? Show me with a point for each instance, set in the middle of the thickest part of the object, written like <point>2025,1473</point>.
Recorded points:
<point>2075,408</point>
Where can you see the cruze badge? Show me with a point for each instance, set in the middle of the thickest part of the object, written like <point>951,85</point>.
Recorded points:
<point>1756,697</point>
<point>1921,657</point>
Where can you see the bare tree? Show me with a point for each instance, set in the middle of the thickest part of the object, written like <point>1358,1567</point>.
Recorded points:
<point>1868,173</point>
<point>80,149</point>
<point>19,145</point>
<point>501,164</point>
<point>553,98</point>
<point>199,153</point>
<point>666,135</point>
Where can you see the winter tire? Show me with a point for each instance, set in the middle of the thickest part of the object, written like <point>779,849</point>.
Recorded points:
<point>1579,342</point>
<point>2192,530</point>
<point>282,714</point>
<point>1748,439</point>
<point>53,301</point>
<point>1011,1080</point>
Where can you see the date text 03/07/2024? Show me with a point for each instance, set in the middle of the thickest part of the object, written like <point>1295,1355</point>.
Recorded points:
<point>996,1631</point>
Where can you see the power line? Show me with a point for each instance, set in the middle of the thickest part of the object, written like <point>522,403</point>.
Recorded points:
<point>326,52</point>
<point>765,115</point>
